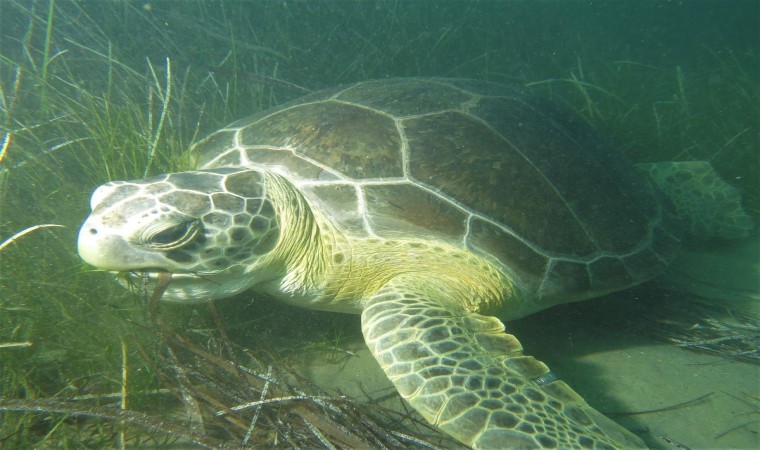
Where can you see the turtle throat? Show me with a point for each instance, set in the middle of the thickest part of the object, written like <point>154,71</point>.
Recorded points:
<point>301,257</point>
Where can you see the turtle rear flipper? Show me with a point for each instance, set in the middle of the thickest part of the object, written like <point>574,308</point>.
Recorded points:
<point>462,373</point>
<point>710,206</point>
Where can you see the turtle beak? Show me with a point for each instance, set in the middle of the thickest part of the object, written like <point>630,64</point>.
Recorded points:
<point>109,251</point>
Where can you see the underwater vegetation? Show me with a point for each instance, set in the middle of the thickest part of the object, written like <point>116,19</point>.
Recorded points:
<point>91,94</point>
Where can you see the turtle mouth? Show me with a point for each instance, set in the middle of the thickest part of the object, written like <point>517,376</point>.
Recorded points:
<point>150,276</point>
<point>181,286</point>
<point>155,273</point>
<point>161,284</point>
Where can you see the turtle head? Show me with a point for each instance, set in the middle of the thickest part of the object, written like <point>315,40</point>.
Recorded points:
<point>209,228</point>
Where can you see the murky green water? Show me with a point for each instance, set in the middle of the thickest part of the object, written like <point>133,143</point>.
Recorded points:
<point>95,91</point>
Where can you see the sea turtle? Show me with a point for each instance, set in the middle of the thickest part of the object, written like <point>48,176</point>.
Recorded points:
<point>428,206</point>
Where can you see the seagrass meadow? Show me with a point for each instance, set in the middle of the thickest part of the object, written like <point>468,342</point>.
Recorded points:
<point>93,91</point>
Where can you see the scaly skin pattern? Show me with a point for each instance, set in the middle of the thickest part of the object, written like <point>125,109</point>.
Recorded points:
<point>424,304</point>
<point>463,373</point>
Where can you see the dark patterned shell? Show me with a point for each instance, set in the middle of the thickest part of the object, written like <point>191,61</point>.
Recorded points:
<point>501,173</point>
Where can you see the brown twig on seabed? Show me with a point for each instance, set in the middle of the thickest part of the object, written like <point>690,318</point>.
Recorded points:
<point>49,406</point>
<point>249,403</point>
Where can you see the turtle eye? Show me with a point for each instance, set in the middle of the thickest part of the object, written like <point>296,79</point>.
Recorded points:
<point>174,237</point>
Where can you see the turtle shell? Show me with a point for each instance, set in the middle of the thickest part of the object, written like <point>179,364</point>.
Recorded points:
<point>504,174</point>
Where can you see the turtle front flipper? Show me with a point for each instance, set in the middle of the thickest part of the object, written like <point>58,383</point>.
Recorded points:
<point>469,378</point>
